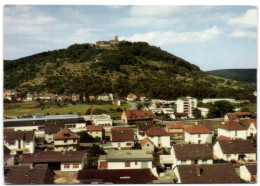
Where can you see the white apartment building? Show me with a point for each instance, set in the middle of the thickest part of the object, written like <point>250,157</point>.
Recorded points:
<point>186,105</point>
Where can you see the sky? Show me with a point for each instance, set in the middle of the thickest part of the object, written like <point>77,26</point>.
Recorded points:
<point>211,37</point>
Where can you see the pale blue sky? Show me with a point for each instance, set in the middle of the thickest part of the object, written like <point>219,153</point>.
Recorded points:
<point>212,37</point>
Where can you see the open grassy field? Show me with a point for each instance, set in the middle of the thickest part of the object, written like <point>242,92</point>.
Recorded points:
<point>32,108</point>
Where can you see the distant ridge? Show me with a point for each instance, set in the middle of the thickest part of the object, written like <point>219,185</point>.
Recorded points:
<point>245,75</point>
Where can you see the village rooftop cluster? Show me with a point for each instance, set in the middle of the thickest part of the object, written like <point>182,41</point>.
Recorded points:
<point>136,149</point>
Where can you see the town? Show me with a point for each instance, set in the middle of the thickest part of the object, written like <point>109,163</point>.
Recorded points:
<point>153,141</point>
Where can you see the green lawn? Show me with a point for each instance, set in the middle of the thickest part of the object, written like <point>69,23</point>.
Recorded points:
<point>32,108</point>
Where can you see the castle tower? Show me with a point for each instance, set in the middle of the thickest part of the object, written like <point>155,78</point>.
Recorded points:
<point>116,38</point>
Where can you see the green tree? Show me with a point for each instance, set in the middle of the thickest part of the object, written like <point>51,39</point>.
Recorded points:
<point>197,113</point>
<point>137,146</point>
<point>219,109</point>
<point>139,106</point>
<point>85,137</point>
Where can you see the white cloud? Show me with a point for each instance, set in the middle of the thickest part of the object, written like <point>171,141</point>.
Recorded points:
<point>249,19</point>
<point>169,37</point>
<point>146,21</point>
<point>153,10</point>
<point>247,34</point>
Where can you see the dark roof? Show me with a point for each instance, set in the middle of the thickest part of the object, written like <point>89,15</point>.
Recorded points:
<point>232,125</point>
<point>193,151</point>
<point>211,173</point>
<point>6,150</point>
<point>119,176</point>
<point>145,140</point>
<point>52,128</point>
<point>43,122</point>
<point>156,131</point>
<point>144,127</point>
<point>19,135</point>
<point>121,135</point>
<point>223,138</point>
<point>65,134</point>
<point>236,146</point>
<point>197,129</point>
<point>252,168</point>
<point>7,156</point>
<point>207,124</point>
<point>51,156</point>
<point>17,174</point>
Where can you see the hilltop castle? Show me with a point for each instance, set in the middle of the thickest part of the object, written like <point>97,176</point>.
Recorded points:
<point>109,43</point>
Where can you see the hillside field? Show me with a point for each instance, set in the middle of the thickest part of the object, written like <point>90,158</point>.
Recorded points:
<point>32,108</point>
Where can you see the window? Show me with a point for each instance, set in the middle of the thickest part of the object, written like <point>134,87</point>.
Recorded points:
<point>198,135</point>
<point>128,144</point>
<point>127,164</point>
<point>183,161</point>
<point>75,166</point>
<point>103,164</point>
<point>235,133</point>
<point>27,143</point>
<point>11,143</point>
<point>90,132</point>
<point>66,166</point>
<point>74,141</point>
<point>136,163</point>
<point>147,145</point>
<point>97,132</point>
<point>65,141</point>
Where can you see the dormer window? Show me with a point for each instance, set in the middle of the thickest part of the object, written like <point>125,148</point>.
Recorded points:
<point>66,135</point>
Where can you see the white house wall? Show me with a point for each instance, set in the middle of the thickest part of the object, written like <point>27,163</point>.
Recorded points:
<point>194,138</point>
<point>232,134</point>
<point>245,174</point>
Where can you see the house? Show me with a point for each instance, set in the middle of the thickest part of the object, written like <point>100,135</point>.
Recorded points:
<point>197,134</point>
<point>11,95</point>
<point>116,176</point>
<point>65,140</point>
<point>103,120</point>
<point>141,128</point>
<point>238,150</point>
<point>39,174</point>
<point>122,138</point>
<point>186,105</point>
<point>131,97</point>
<point>248,172</point>
<point>96,131</point>
<point>8,158</point>
<point>143,99</point>
<point>75,97</point>
<point>147,144</point>
<point>30,96</point>
<point>176,130</point>
<point>186,154</point>
<point>237,116</point>
<point>137,116</point>
<point>125,159</point>
<point>232,130</point>
<point>105,97</point>
<point>63,98</point>
<point>208,124</point>
<point>159,137</point>
<point>20,141</point>
<point>213,173</point>
<point>91,98</point>
<point>64,161</point>
<point>47,96</point>
<point>251,125</point>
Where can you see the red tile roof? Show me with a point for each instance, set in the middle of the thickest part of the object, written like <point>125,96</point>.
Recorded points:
<point>145,140</point>
<point>223,138</point>
<point>62,135</point>
<point>175,126</point>
<point>232,125</point>
<point>197,129</point>
<point>139,114</point>
<point>121,135</point>
<point>94,128</point>
<point>156,131</point>
<point>131,96</point>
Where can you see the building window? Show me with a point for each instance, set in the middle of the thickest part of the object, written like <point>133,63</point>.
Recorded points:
<point>198,135</point>
<point>235,133</point>
<point>27,143</point>
<point>136,163</point>
<point>65,141</point>
<point>183,161</point>
<point>75,166</point>
<point>147,144</point>
<point>66,166</point>
<point>11,143</point>
<point>128,144</point>
<point>74,141</point>
<point>127,164</point>
<point>97,132</point>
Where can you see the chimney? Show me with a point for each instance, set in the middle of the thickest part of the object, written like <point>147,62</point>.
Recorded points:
<point>198,170</point>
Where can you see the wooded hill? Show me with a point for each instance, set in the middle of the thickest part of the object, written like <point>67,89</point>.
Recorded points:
<point>245,75</point>
<point>127,68</point>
